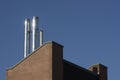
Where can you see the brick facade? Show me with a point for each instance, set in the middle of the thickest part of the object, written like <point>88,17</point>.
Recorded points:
<point>47,63</point>
<point>43,64</point>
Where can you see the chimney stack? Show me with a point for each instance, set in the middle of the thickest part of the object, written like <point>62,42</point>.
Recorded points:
<point>41,37</point>
<point>35,35</point>
<point>27,37</point>
<point>32,41</point>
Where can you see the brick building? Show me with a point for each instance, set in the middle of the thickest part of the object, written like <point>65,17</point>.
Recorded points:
<point>47,63</point>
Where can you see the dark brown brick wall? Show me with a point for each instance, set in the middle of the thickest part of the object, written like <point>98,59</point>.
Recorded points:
<point>57,62</point>
<point>75,72</point>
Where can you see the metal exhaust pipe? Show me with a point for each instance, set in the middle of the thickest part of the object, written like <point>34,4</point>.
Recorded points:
<point>27,37</point>
<point>35,29</point>
<point>41,37</point>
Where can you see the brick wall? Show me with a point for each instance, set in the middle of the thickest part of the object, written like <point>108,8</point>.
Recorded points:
<point>40,65</point>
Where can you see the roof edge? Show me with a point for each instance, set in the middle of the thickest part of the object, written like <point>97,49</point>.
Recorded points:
<point>79,67</point>
<point>97,64</point>
<point>53,42</point>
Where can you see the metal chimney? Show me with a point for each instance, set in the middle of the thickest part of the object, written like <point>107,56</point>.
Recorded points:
<point>27,37</point>
<point>35,35</point>
<point>41,37</point>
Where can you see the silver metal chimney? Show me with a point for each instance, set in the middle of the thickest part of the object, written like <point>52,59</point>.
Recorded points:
<point>35,35</point>
<point>41,37</point>
<point>27,37</point>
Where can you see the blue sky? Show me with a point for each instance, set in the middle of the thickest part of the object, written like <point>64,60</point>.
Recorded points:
<point>89,30</point>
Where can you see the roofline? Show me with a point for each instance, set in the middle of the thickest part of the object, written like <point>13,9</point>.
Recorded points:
<point>79,67</point>
<point>33,53</point>
<point>97,65</point>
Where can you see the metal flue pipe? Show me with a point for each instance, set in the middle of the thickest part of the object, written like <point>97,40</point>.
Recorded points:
<point>27,37</point>
<point>41,37</point>
<point>35,35</point>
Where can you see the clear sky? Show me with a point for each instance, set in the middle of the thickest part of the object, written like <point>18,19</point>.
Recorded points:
<point>89,30</point>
